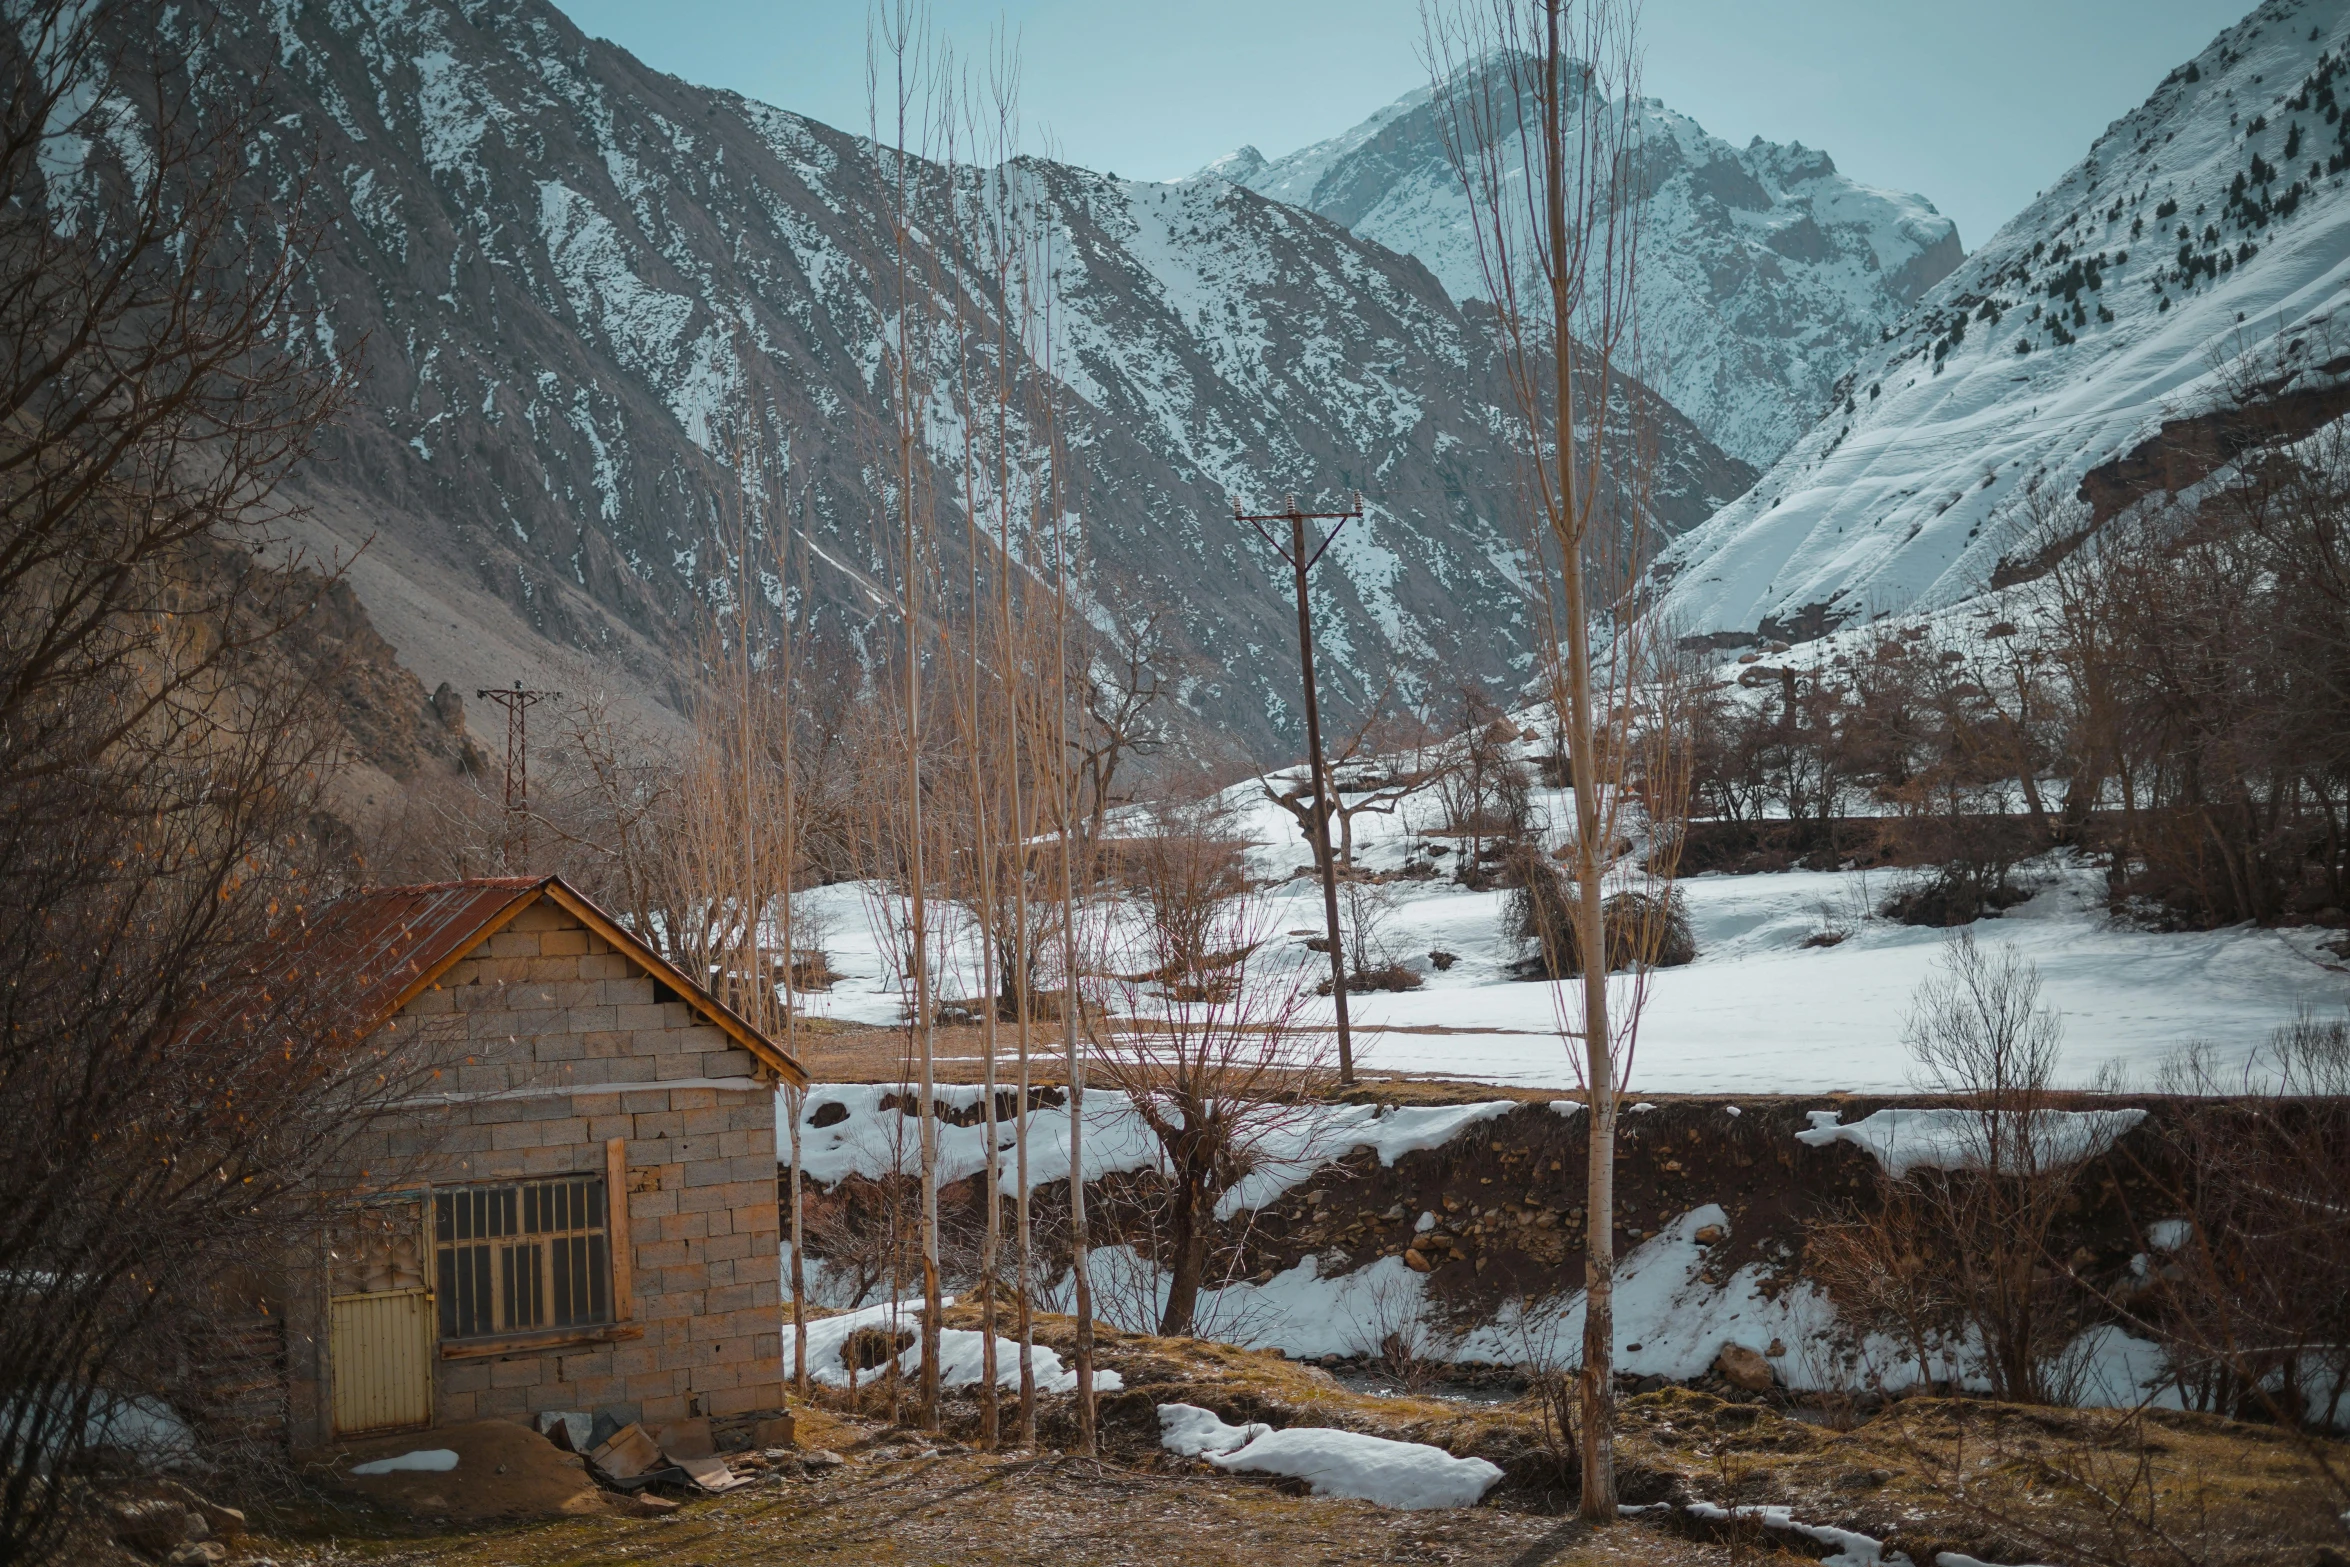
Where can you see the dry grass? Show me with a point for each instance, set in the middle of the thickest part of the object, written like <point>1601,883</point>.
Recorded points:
<point>1996,1482</point>
<point>2004,1482</point>
<point>901,1499</point>
<point>1927,1476</point>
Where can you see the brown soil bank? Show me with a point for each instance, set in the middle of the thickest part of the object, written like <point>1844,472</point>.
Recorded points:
<point>504,1470</point>
<point>1507,1195</point>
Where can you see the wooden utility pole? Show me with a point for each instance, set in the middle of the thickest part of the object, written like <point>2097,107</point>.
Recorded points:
<point>517,704</point>
<point>1325,804</point>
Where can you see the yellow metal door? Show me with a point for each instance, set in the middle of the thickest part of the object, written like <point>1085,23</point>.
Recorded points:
<point>381,1347</point>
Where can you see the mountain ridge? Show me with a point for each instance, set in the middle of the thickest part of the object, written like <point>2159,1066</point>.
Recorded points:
<point>1765,270</point>
<point>568,266</point>
<point>2157,274</point>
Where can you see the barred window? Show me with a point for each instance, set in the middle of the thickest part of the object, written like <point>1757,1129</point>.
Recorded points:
<point>533,1254</point>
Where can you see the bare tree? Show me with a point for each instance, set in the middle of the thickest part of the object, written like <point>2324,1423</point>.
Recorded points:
<point>1979,1032</point>
<point>171,1104</point>
<point>1120,688</point>
<point>905,89</point>
<point>2246,1277</point>
<point>1540,106</point>
<point>1480,783</point>
<point>1221,1071</point>
<point>1058,543</point>
<point>1959,1250</point>
<point>1368,908</point>
<point>1385,761</point>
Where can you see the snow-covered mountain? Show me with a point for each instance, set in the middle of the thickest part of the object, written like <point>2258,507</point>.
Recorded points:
<point>1765,272</point>
<point>2203,244</point>
<point>566,266</point>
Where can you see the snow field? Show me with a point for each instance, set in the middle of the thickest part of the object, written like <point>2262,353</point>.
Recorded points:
<point>1336,1463</point>
<point>1757,1012</point>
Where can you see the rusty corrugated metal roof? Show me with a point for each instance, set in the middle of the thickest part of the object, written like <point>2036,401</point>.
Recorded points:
<point>379,946</point>
<point>358,960</point>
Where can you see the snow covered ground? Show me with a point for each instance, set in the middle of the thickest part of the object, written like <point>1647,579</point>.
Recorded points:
<point>1758,1011</point>
<point>1671,1320</point>
<point>845,1130</point>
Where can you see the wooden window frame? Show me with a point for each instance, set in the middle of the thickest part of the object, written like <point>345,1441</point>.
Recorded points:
<point>524,1258</point>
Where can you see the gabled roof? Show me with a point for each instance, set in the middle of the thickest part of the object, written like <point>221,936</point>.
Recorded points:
<point>383,947</point>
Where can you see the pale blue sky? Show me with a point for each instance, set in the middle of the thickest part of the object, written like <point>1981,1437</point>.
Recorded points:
<point>1977,106</point>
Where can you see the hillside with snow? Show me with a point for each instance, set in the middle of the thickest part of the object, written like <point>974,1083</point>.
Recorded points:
<point>567,268</point>
<point>2202,244</point>
<point>1765,271</point>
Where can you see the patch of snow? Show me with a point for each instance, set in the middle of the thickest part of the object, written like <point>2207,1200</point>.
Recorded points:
<point>454,112</point>
<point>2112,1369</point>
<point>1409,1475</point>
<point>960,1352</point>
<point>424,1460</point>
<point>1852,1549</point>
<point>1189,1431</point>
<point>140,1424</point>
<point>644,326</point>
<point>1906,1140</point>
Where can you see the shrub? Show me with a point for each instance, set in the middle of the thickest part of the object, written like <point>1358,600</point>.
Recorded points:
<point>1644,929</point>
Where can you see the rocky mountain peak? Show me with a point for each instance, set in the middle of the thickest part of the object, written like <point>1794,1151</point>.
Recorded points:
<point>1766,271</point>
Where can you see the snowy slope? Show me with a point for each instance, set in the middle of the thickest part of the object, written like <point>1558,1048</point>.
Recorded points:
<point>2102,310</point>
<point>1765,271</point>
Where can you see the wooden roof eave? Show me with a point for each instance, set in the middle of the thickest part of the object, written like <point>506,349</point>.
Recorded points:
<point>693,994</point>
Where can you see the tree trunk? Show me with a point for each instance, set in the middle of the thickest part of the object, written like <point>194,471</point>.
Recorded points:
<point>1187,1254</point>
<point>1081,1279</point>
<point>989,1417</point>
<point>1599,1277</point>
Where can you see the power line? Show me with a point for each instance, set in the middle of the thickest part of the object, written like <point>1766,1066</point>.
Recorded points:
<point>514,851</point>
<point>1301,561</point>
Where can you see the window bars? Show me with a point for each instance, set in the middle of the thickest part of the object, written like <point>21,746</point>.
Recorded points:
<point>513,1258</point>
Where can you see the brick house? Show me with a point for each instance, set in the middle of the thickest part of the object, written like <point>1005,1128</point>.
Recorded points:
<point>578,1213</point>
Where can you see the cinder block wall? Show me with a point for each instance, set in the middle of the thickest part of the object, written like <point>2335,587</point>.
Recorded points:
<point>548,1016</point>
